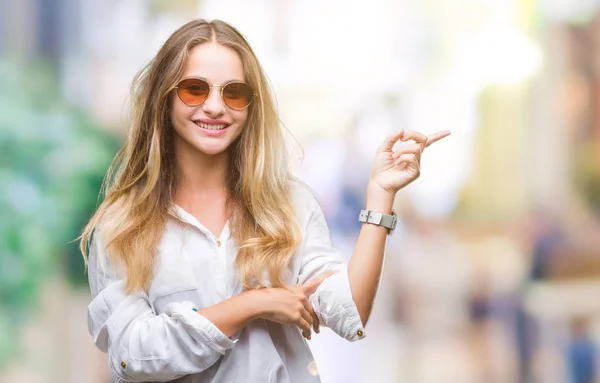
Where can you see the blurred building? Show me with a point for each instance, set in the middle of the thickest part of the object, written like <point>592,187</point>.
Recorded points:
<point>95,47</point>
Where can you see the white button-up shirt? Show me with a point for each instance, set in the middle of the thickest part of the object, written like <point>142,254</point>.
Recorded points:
<point>155,335</point>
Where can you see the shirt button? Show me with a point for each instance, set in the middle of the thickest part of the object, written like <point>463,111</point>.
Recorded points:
<point>123,364</point>
<point>360,333</point>
<point>218,243</point>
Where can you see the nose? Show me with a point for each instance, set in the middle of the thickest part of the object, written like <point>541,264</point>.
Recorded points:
<point>214,105</point>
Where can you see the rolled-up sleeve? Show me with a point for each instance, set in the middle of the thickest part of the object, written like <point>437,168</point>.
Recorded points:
<point>332,301</point>
<point>141,345</point>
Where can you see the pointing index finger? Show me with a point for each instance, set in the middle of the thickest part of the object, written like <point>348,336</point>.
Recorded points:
<point>437,136</point>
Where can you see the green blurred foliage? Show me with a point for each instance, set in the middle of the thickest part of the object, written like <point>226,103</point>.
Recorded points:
<point>52,162</point>
<point>586,173</point>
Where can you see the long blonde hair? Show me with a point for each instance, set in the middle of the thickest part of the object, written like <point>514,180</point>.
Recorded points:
<point>140,182</point>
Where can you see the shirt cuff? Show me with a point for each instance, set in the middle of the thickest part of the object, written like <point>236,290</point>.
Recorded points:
<point>335,307</point>
<point>200,325</point>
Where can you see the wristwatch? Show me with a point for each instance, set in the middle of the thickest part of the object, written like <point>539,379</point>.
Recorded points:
<point>376,218</point>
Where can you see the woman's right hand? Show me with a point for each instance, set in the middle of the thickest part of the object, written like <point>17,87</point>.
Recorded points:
<point>290,305</point>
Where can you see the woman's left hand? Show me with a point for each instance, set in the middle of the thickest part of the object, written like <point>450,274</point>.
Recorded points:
<point>392,170</point>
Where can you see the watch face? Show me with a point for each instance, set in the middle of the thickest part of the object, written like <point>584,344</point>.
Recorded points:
<point>375,218</point>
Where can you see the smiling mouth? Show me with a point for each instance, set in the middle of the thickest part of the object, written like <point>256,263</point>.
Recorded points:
<point>212,126</point>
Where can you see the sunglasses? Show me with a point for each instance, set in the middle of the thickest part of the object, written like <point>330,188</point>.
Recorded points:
<point>195,91</point>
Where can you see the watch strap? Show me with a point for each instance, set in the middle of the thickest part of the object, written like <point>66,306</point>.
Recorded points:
<point>377,218</point>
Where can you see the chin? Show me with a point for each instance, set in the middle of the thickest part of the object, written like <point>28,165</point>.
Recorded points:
<point>213,151</point>
<point>212,148</point>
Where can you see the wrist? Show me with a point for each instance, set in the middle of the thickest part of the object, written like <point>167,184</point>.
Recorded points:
<point>257,306</point>
<point>379,199</point>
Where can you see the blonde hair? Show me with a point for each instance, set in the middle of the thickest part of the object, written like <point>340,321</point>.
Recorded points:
<point>140,182</point>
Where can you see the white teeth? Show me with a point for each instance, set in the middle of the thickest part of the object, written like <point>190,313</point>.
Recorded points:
<point>210,126</point>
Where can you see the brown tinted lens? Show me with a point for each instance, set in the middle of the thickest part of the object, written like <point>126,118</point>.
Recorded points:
<point>193,91</point>
<point>237,95</point>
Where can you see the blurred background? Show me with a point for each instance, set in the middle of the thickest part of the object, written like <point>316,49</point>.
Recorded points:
<point>494,272</point>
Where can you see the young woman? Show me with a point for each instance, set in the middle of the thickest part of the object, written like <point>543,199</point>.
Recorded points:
<point>208,261</point>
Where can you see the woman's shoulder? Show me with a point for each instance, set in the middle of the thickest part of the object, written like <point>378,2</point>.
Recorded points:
<point>304,198</point>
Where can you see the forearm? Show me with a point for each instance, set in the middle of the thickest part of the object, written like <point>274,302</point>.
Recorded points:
<point>234,313</point>
<point>364,268</point>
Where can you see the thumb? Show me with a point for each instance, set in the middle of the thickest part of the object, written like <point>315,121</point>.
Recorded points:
<point>312,285</point>
<point>390,140</point>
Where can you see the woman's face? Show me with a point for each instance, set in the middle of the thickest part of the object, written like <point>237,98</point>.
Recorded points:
<point>212,126</point>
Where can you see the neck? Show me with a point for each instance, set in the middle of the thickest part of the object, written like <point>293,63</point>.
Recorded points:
<point>198,174</point>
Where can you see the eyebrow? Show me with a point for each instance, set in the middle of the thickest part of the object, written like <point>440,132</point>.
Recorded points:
<point>208,81</point>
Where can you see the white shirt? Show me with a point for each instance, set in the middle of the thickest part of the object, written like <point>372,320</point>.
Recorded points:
<point>155,335</point>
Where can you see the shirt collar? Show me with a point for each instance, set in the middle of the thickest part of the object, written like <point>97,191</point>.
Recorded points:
<point>182,215</point>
